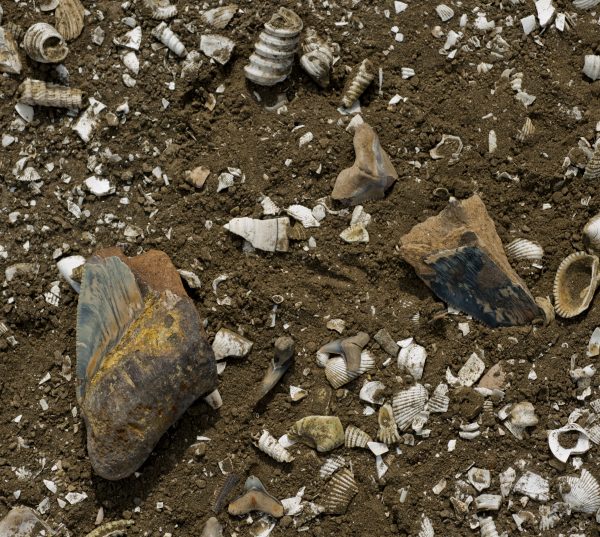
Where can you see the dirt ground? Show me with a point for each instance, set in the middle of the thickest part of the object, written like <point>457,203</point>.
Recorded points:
<point>527,191</point>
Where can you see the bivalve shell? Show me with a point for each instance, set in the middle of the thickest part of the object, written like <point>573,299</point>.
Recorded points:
<point>38,93</point>
<point>359,80</point>
<point>412,359</point>
<point>407,404</point>
<point>575,284</point>
<point>445,13</point>
<point>581,493</point>
<point>592,169</point>
<point>524,249</point>
<point>337,373</point>
<point>44,44</point>
<point>322,433</point>
<point>591,66</point>
<point>331,465</point>
<point>388,430</point>
<point>66,267</point>
<point>229,343</point>
<point>355,437</point>
<point>269,445</point>
<point>562,453</point>
<point>339,492</point>
<point>439,400</point>
<point>220,17</point>
<point>69,18</point>
<point>591,234</point>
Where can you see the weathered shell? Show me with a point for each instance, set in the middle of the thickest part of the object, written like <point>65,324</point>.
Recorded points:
<point>331,465</point>
<point>592,169</point>
<point>358,81</point>
<point>268,235</point>
<point>526,131</point>
<point>303,215</point>
<point>256,498</point>
<point>44,44</point>
<point>269,445</point>
<point>444,12</point>
<point>275,49</point>
<point>480,478</point>
<point>219,17</point>
<point>9,53</point>
<point>487,527</point>
<point>524,249</point>
<point>585,4</point>
<point>450,147</point>
<point>575,284</point>
<point>412,359</point>
<point>23,522</point>
<point>229,343</point>
<point>488,502</point>
<point>562,453</point>
<point>591,66</point>
<point>534,486</point>
<point>507,478</point>
<point>355,437</point>
<point>337,373</point>
<point>388,430</point>
<point>356,233</point>
<point>426,528</point>
<point>591,234</point>
<point>339,492</point>
<point>408,403</point>
<point>439,400</point>
<point>372,392</point>
<point>547,309</point>
<point>48,5</point>
<point>161,9</point>
<point>317,59</point>
<point>217,47</point>
<point>322,433</point>
<point>212,528</point>
<point>66,267</point>
<point>581,493</point>
<point>69,18</point>
<point>132,39</point>
<point>38,93</point>
<point>284,353</point>
<point>166,36</point>
<point>112,529</point>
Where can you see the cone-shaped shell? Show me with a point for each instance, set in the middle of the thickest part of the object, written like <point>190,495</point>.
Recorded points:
<point>338,492</point>
<point>358,81</point>
<point>524,249</point>
<point>355,437</point>
<point>388,430</point>
<point>160,9</point>
<point>591,234</point>
<point>168,38</point>
<point>317,59</point>
<point>39,93</point>
<point>44,44</point>
<point>407,404</point>
<point>487,527</point>
<point>69,18</point>
<point>337,372</point>
<point>575,284</point>
<point>581,493</point>
<point>322,433</point>
<point>219,17</point>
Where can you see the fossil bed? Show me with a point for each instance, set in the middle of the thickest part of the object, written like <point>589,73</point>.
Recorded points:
<point>367,285</point>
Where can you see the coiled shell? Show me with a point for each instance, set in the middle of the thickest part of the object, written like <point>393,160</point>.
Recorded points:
<point>581,493</point>
<point>388,430</point>
<point>317,59</point>
<point>562,453</point>
<point>585,4</point>
<point>161,9</point>
<point>69,18</point>
<point>575,284</point>
<point>38,93</point>
<point>269,445</point>
<point>44,44</point>
<point>487,527</point>
<point>339,492</point>
<point>445,13</point>
<point>407,404</point>
<point>275,49</point>
<point>592,169</point>
<point>524,249</point>
<point>219,17</point>
<point>166,36</point>
<point>355,437</point>
<point>337,373</point>
<point>359,80</point>
<point>591,234</point>
<point>331,465</point>
<point>322,433</point>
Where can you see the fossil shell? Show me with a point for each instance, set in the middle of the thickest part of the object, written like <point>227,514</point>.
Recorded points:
<point>69,19</point>
<point>220,17</point>
<point>412,359</point>
<point>575,284</point>
<point>67,265</point>
<point>217,47</point>
<point>585,4</point>
<point>581,493</point>
<point>592,169</point>
<point>562,453</point>
<point>526,131</point>
<point>229,343</point>
<point>284,352</point>
<point>546,308</point>
<point>322,433</point>
<point>507,478</point>
<point>358,81</point>
<point>533,486</point>
<point>591,234</point>
<point>161,9</point>
<point>303,215</point>
<point>487,527</point>
<point>256,498</point>
<point>339,492</point>
<point>594,343</point>
<point>269,445</point>
<point>468,374</point>
<point>523,415</point>
<point>439,400</point>
<point>450,147</point>
<point>275,49</point>
<point>388,430</point>
<point>130,60</point>
<point>23,522</point>
<point>372,392</point>
<point>480,478</point>
<point>355,437</point>
<point>331,465</point>
<point>350,348</point>
<point>426,528</point>
<point>317,59</point>
<point>444,12</point>
<point>524,249</point>
<point>212,528</point>
<point>354,234</point>
<point>110,529</point>
<point>38,93</point>
<point>44,44</point>
<point>407,404</point>
<point>268,235</point>
<point>337,372</point>
<point>166,36</point>
<point>591,66</point>
<point>9,53</point>
<point>48,5</point>
<point>488,502</point>
<point>132,39</point>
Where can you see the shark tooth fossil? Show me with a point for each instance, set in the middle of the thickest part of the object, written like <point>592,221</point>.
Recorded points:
<point>256,498</point>
<point>350,348</point>
<point>284,354</point>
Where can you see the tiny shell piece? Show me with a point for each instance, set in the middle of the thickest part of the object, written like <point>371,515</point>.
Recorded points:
<point>359,80</point>
<point>426,528</point>
<point>132,39</point>
<point>412,358</point>
<point>355,234</point>
<point>339,492</point>
<point>67,265</point>
<point>591,66</point>
<point>38,93</point>
<point>575,284</point>
<point>507,478</point>
<point>44,44</point>
<point>591,234</point>
<point>585,4</point>
<point>439,400</point>
<point>533,486</point>
<point>336,324</point>
<point>526,131</point>
<point>110,529</point>
<point>268,235</point>
<point>217,47</point>
<point>355,437</point>
<point>269,445</point>
<point>562,453</point>
<point>445,13</point>
<point>69,18</point>
<point>229,343</point>
<point>581,493</point>
<point>524,249</point>
<point>219,17</point>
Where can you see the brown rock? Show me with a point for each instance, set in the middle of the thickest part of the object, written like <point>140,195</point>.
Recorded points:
<point>460,257</point>
<point>495,378</point>
<point>197,177</point>
<point>371,174</point>
<point>468,403</point>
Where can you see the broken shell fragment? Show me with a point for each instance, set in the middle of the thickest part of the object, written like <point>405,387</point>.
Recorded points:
<point>372,392</point>
<point>275,49</point>
<point>487,527</point>
<point>268,235</point>
<point>110,529</point>
<point>69,18</point>
<point>339,492</point>
<point>66,267</point>
<point>407,404</point>
<point>219,17</point>
<point>388,430</point>
<point>317,59</point>
<point>445,13</point>
<point>322,433</point>
<point>355,437</point>
<point>212,528</point>
<point>161,9</point>
<point>439,400</point>
<point>331,465</point>
<point>480,478</point>
<point>284,353</point>
<point>524,249</point>
<point>44,44</point>
<point>256,498</point>
<point>592,169</point>
<point>582,493</point>
<point>412,359</point>
<point>575,284</point>
<point>426,528</point>
<point>591,234</point>
<point>268,444</point>
<point>23,522</point>
<point>354,234</point>
<point>358,81</point>
<point>521,416</point>
<point>488,502</point>
<point>229,343</point>
<point>372,173</point>
<point>350,348</point>
<point>449,147</point>
<point>10,62</point>
<point>533,486</point>
<point>132,39</point>
<point>337,373</point>
<point>48,5</point>
<point>38,93</point>
<point>591,66</point>
<point>562,453</point>
<point>594,343</point>
<point>547,309</point>
<point>217,47</point>
<point>526,131</point>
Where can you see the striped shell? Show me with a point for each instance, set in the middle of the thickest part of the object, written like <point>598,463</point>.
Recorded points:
<point>524,249</point>
<point>445,13</point>
<point>69,18</point>
<point>219,17</point>
<point>331,465</point>
<point>592,170</point>
<point>168,38</point>
<point>360,78</point>
<point>439,400</point>
<point>526,131</point>
<point>161,9</point>
<point>317,59</point>
<point>38,93</point>
<point>581,493</point>
<point>575,284</point>
<point>338,492</point>
<point>591,234</point>
<point>407,404</point>
<point>269,445</point>
<point>585,4</point>
<point>355,437</point>
<point>44,44</point>
<point>388,430</point>
<point>487,527</point>
<point>337,372</point>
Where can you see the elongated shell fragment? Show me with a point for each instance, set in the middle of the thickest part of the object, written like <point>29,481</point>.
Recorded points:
<point>591,234</point>
<point>592,169</point>
<point>275,49</point>
<point>359,80</point>
<point>268,235</point>
<point>39,93</point>
<point>69,18</point>
<point>10,62</point>
<point>317,59</point>
<point>339,492</point>
<point>44,44</point>
<point>524,249</point>
<point>168,38</point>
<point>575,284</point>
<point>268,444</point>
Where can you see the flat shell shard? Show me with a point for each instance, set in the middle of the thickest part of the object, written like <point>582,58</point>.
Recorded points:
<point>331,465</point>
<point>69,18</point>
<point>256,498</point>
<point>487,527</point>
<point>212,528</point>
<point>339,492</point>
<point>407,404</point>
<point>372,173</point>
<point>267,235</point>
<point>412,359</point>
<point>109,301</point>
<point>533,486</point>
<point>160,9</point>
<point>23,522</point>
<point>228,343</point>
<point>582,493</point>
<point>460,257</point>
<point>575,284</point>
<point>591,66</point>
<point>449,148</point>
<point>10,62</point>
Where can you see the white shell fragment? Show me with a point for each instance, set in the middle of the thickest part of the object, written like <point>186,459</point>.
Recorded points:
<point>228,343</point>
<point>355,437</point>
<point>480,478</point>
<point>487,527</point>
<point>468,374</point>
<point>533,486</point>
<point>439,400</point>
<point>303,214</point>
<point>507,478</point>
<point>214,399</point>
<point>545,12</point>
<point>407,404</point>
<point>426,528</point>
<point>331,465</point>
<point>529,24</point>
<point>594,343</point>
<point>591,66</point>
<point>445,13</point>
<point>582,494</point>
<point>524,249</point>
<point>372,392</point>
<point>488,502</point>
<point>269,445</point>
<point>10,62</point>
<point>268,235</point>
<point>585,4</point>
<point>98,186</point>
<point>166,36</point>
<point>217,47</point>
<point>355,234</point>
<point>161,9</point>
<point>67,265</point>
<point>132,39</point>
<point>562,453</point>
<point>297,393</point>
<point>337,372</point>
<point>449,147</point>
<point>219,17</point>
<point>412,359</point>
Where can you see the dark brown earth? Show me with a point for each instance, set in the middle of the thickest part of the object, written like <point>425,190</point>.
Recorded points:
<point>369,286</point>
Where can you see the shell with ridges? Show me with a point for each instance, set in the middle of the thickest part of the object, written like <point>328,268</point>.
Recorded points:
<point>407,404</point>
<point>445,13</point>
<point>69,18</point>
<point>581,493</point>
<point>585,4</point>
<point>317,59</point>
<point>388,430</point>
<point>268,444</point>
<point>339,492</point>
<point>355,437</point>
<point>337,372</point>
<point>331,465</point>
<point>524,249</point>
<point>38,93</point>
<point>168,38</point>
<point>487,527</point>
<point>592,169</point>
<point>526,131</point>
<point>591,234</point>
<point>426,528</point>
<point>575,284</point>
<point>359,80</point>
<point>161,9</point>
<point>219,17</point>
<point>322,433</point>
<point>439,400</point>
<point>44,44</point>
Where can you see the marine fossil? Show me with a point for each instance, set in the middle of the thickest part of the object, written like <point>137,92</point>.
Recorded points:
<point>69,18</point>
<point>449,147</point>
<point>575,284</point>
<point>268,235</point>
<point>23,521</point>
<point>317,59</point>
<point>445,13</point>
<point>358,81</point>
<point>526,130</point>
<point>591,234</point>
<point>354,234</point>
<point>217,47</point>
<point>275,49</point>
<point>331,465</point>
<point>322,433</point>
<point>229,343</point>
<point>168,38</point>
<point>219,17</point>
<point>355,437</point>
<point>339,492</point>
<point>44,44</point>
<point>592,169</point>
<point>439,400</point>
<point>222,493</point>
<point>372,392</point>
<point>269,445</point>
<point>521,416</point>
<point>337,372</point>
<point>38,93</point>
<point>524,249</point>
<point>407,404</point>
<point>591,66</point>
<point>256,498</point>
<point>581,493</point>
<point>66,267</point>
<point>480,478</point>
<point>562,453</point>
<point>533,486</point>
<point>487,527</point>
<point>412,359</point>
<point>10,62</point>
<point>350,348</point>
<point>132,39</point>
<point>112,529</point>
<point>160,9</point>
<point>284,354</point>
<point>388,430</point>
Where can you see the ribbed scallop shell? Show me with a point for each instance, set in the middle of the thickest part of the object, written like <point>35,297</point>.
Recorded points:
<point>69,18</point>
<point>44,44</point>
<point>575,284</point>
<point>524,249</point>
<point>581,493</point>
<point>355,437</point>
<point>161,9</point>
<point>585,4</point>
<point>359,80</point>
<point>444,12</point>
<point>317,58</point>
<point>166,36</point>
<point>337,372</point>
<point>388,430</point>
<point>275,49</point>
<point>269,445</point>
<point>219,17</point>
<point>526,131</point>
<point>39,93</point>
<point>487,527</point>
<point>591,234</point>
<point>439,400</point>
<point>331,465</point>
<point>338,492</point>
<point>426,528</point>
<point>407,404</point>
<point>592,170</point>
